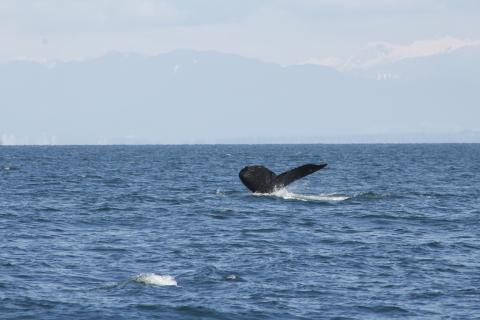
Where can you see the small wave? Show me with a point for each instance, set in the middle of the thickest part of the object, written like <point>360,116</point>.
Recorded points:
<point>221,192</point>
<point>287,195</point>
<point>373,195</point>
<point>10,168</point>
<point>155,279</point>
<point>51,209</point>
<point>105,208</point>
<point>233,277</point>
<point>382,309</point>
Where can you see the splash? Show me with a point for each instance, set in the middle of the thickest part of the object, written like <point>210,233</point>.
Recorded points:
<point>155,279</point>
<point>287,195</point>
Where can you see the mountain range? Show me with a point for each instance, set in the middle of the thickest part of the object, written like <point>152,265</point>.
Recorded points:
<point>210,97</point>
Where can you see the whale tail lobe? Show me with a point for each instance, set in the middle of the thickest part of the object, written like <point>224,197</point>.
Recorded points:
<point>261,180</point>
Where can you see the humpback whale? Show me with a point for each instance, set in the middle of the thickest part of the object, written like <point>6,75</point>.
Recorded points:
<point>261,180</point>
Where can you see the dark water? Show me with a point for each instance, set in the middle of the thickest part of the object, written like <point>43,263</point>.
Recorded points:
<point>386,232</point>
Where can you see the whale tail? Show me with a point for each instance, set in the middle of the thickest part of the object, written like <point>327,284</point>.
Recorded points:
<point>262,180</point>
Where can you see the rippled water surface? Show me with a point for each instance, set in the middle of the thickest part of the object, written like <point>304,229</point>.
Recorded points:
<point>169,232</point>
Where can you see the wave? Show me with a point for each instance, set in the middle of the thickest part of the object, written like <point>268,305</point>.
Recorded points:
<point>143,278</point>
<point>155,279</point>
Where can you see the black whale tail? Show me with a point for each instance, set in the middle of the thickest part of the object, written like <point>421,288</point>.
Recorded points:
<point>262,180</point>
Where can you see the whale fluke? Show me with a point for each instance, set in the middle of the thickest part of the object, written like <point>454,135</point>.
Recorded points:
<point>262,180</point>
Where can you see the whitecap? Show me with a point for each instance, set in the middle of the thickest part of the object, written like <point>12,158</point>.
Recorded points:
<point>155,279</point>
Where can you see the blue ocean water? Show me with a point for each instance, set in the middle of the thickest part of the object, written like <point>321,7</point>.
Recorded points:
<point>169,232</point>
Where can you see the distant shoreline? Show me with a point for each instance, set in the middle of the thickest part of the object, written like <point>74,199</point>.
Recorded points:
<point>238,144</point>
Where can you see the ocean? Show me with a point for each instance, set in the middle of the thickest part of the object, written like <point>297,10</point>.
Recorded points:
<point>169,232</point>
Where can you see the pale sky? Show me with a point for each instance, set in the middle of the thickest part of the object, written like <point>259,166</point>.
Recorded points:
<point>327,32</point>
<point>178,71</point>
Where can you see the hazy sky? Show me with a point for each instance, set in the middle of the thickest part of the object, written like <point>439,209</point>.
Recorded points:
<point>283,31</point>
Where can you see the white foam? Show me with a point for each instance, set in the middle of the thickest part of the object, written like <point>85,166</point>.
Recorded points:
<point>287,195</point>
<point>155,279</point>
